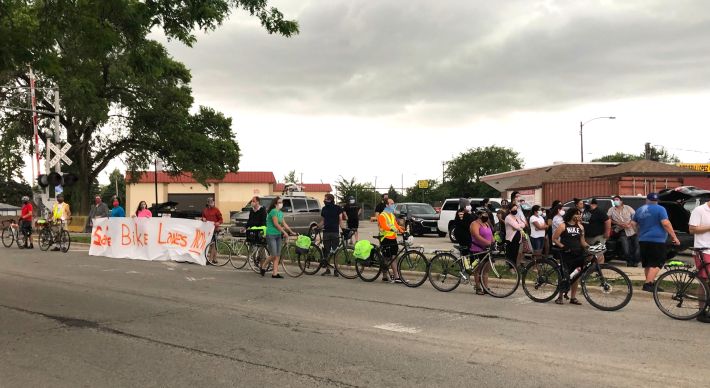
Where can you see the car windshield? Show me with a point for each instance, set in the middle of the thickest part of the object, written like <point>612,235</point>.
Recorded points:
<point>421,209</point>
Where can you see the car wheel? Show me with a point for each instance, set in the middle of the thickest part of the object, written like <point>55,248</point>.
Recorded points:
<point>451,234</point>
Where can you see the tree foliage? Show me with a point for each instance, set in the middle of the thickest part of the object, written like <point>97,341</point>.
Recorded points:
<point>291,177</point>
<point>618,157</point>
<point>116,187</point>
<point>657,154</point>
<point>364,193</point>
<point>463,173</point>
<point>122,94</point>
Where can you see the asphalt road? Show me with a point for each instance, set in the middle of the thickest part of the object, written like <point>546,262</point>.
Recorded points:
<point>71,320</point>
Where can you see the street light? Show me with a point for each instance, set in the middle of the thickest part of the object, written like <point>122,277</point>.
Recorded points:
<point>581,133</point>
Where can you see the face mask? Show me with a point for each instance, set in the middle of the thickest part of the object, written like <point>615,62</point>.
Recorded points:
<point>468,208</point>
<point>562,213</point>
<point>539,213</point>
<point>617,203</point>
<point>97,201</point>
<point>390,208</point>
<point>514,212</point>
<point>484,218</point>
<point>279,206</point>
<point>115,203</point>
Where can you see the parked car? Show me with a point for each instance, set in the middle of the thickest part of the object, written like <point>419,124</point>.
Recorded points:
<point>451,206</point>
<point>172,209</point>
<point>300,213</point>
<point>419,218</point>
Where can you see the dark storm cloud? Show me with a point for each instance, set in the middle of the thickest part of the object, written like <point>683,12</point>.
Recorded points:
<point>453,59</point>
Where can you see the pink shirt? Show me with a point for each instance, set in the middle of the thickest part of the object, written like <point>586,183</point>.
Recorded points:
<point>144,213</point>
<point>512,225</point>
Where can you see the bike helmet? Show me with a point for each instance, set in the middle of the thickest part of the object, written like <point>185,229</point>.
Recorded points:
<point>597,248</point>
<point>25,198</point>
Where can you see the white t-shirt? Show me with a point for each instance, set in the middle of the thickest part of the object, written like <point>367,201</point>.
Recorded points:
<point>701,217</point>
<point>534,232</point>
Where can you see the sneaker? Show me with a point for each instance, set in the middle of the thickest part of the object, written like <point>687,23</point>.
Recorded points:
<point>398,280</point>
<point>326,273</point>
<point>277,276</point>
<point>648,287</point>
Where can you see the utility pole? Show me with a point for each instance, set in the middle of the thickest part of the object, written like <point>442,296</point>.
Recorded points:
<point>647,151</point>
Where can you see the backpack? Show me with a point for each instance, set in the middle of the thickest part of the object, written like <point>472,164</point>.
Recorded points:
<point>363,249</point>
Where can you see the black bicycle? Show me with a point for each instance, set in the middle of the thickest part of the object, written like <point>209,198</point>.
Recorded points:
<point>679,292</point>
<point>342,254</point>
<point>604,286</point>
<point>412,265</point>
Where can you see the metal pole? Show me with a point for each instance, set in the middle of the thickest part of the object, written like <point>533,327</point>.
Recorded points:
<point>581,141</point>
<point>33,102</point>
<point>58,166</point>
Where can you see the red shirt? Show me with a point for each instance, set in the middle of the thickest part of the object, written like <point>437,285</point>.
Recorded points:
<point>212,214</point>
<point>27,212</point>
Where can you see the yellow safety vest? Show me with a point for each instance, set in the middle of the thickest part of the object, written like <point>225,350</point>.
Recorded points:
<point>389,218</point>
<point>58,211</point>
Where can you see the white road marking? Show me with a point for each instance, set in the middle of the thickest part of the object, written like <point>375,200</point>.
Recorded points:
<point>109,270</point>
<point>396,327</point>
<point>191,279</point>
<point>132,272</point>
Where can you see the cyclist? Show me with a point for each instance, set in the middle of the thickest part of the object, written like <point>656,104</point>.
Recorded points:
<point>380,208</point>
<point>331,215</point>
<point>61,213</point>
<point>276,227</point>
<point>569,237</point>
<point>26,222</point>
<point>211,213</point>
<point>481,239</point>
<point>352,213</point>
<point>699,226</point>
<point>257,214</point>
<point>388,237</point>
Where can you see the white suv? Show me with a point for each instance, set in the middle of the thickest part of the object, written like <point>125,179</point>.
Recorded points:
<point>451,206</point>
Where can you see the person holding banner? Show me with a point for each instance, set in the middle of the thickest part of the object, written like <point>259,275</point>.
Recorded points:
<point>142,211</point>
<point>117,210</point>
<point>276,227</point>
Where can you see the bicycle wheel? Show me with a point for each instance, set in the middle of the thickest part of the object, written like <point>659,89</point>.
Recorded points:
<point>8,237</point>
<point>240,255</point>
<point>412,268</point>
<point>606,287</point>
<point>344,262</point>
<point>445,272</point>
<point>541,279</point>
<point>499,277</point>
<point>290,261</point>
<point>46,239</point>
<point>222,253</point>
<point>368,270</point>
<point>310,261</point>
<point>20,240</point>
<point>64,241</point>
<point>258,255</point>
<point>684,295</point>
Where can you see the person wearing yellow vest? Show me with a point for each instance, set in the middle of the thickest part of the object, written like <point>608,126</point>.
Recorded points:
<point>389,228</point>
<point>61,213</point>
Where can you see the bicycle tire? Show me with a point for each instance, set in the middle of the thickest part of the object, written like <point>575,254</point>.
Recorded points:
<point>369,270</point>
<point>445,272</point>
<point>311,260</point>
<point>20,240</point>
<point>412,268</point>
<point>64,241</point>
<point>8,236</point>
<point>679,285</point>
<point>260,254</point>
<point>499,277</point>
<point>344,262</point>
<point>240,255</point>
<point>223,253</point>
<point>290,261</point>
<point>46,239</point>
<point>541,280</point>
<point>614,282</point>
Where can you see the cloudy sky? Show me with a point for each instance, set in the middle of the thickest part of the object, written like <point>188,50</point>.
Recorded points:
<point>377,89</point>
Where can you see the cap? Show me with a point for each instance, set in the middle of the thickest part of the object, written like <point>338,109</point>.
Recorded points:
<point>593,201</point>
<point>652,197</point>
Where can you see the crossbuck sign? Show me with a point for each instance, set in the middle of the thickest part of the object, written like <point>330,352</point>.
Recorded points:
<point>59,154</point>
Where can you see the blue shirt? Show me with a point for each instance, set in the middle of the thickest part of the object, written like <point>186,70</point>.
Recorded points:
<point>117,212</point>
<point>649,218</point>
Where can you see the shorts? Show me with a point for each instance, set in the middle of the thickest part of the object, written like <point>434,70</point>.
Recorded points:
<point>572,260</point>
<point>353,224</point>
<point>653,254</point>
<point>537,243</point>
<point>596,239</point>
<point>702,266</point>
<point>389,247</point>
<point>273,244</point>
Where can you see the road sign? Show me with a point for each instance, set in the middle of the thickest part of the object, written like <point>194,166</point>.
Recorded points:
<point>423,184</point>
<point>59,154</point>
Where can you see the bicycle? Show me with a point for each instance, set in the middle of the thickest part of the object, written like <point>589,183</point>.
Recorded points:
<point>498,276</point>
<point>543,279</point>
<point>343,259</point>
<point>412,265</point>
<point>48,237</point>
<point>11,234</point>
<point>680,293</point>
<point>222,250</point>
<point>254,251</point>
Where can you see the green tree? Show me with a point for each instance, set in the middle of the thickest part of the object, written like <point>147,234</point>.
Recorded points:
<point>416,194</point>
<point>659,154</point>
<point>11,151</point>
<point>122,95</point>
<point>291,177</point>
<point>619,157</point>
<point>392,193</point>
<point>115,187</point>
<point>463,174</point>
<point>363,193</point>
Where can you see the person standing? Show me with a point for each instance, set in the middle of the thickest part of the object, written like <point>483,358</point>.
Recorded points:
<point>462,227</point>
<point>117,210</point>
<point>481,240</point>
<point>537,231</point>
<point>276,231</point>
<point>569,238</point>
<point>331,215</point>
<point>257,214</point>
<point>211,213</point>
<point>389,228</point>
<point>654,227</point>
<point>143,211</point>
<point>61,214</point>
<point>621,217</point>
<point>352,214</point>
<point>99,210</point>
<point>381,206</point>
<point>26,222</point>
<point>513,234</point>
<point>699,226</point>
<point>598,227</point>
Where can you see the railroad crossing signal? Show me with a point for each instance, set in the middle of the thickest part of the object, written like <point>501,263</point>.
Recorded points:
<point>59,154</point>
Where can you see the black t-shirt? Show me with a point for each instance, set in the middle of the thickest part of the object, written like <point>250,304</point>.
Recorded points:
<point>353,212</point>
<point>570,237</point>
<point>595,227</point>
<point>462,229</point>
<point>380,207</point>
<point>331,217</point>
<point>257,218</point>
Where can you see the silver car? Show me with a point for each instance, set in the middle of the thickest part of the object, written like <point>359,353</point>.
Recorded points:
<point>300,213</point>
